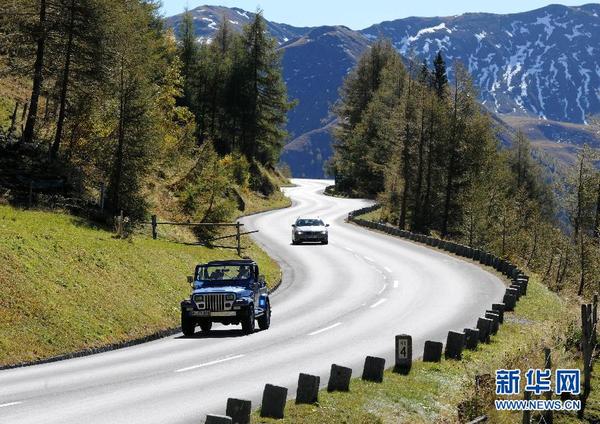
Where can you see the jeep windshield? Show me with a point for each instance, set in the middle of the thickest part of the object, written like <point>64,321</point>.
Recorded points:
<point>222,275</point>
<point>309,223</point>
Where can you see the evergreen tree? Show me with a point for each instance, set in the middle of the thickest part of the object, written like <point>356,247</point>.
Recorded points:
<point>440,77</point>
<point>188,53</point>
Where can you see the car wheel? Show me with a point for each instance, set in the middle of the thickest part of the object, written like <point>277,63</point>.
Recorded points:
<point>326,241</point>
<point>188,326</point>
<point>264,322</point>
<point>248,322</point>
<point>294,241</point>
<point>205,326</point>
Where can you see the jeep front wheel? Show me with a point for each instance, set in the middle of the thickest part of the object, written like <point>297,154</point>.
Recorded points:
<point>264,322</point>
<point>188,326</point>
<point>248,322</point>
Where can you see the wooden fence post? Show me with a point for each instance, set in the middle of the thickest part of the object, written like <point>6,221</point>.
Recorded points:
<point>586,349</point>
<point>13,120</point>
<point>102,196</point>
<point>594,323</point>
<point>238,238</point>
<point>30,193</point>
<point>154,225</point>
<point>526,413</point>
<point>548,415</point>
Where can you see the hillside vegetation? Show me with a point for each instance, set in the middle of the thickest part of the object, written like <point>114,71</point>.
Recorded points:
<point>66,285</point>
<point>426,149</point>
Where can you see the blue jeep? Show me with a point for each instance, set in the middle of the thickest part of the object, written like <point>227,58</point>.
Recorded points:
<point>229,292</point>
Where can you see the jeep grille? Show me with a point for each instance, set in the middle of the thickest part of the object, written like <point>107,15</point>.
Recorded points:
<point>215,302</point>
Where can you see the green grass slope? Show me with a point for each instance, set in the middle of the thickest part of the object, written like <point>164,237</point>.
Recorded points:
<point>66,286</point>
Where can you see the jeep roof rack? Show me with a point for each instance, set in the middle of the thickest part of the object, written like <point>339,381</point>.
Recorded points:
<point>232,262</point>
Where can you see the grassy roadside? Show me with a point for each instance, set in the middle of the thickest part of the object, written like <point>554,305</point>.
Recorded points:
<point>432,392</point>
<point>67,286</point>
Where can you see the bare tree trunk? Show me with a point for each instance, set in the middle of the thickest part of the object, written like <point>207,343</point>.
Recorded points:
<point>535,242</point>
<point>406,154</point>
<point>582,263</point>
<point>116,197</point>
<point>547,273</point>
<point>560,260</point>
<point>427,202</point>
<point>38,76</point>
<point>504,227</point>
<point>451,158</point>
<point>418,218</point>
<point>564,271</point>
<point>597,217</point>
<point>64,87</point>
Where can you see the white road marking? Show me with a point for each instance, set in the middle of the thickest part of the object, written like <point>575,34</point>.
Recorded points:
<point>369,259</point>
<point>382,289</point>
<point>348,249</point>
<point>376,304</point>
<point>314,333</point>
<point>396,284</point>
<point>4,405</point>
<point>388,270</point>
<point>218,361</point>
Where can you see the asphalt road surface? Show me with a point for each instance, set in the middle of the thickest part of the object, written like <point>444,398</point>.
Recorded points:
<point>337,304</point>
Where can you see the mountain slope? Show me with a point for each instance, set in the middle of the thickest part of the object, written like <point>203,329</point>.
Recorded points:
<point>531,67</point>
<point>314,67</point>
<point>543,63</point>
<point>208,18</point>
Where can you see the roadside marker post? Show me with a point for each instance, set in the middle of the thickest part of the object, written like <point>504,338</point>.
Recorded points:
<point>308,389</point>
<point>432,351</point>
<point>239,410</point>
<point>403,354</point>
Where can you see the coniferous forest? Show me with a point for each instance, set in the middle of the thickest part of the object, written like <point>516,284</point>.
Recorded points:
<point>428,151</point>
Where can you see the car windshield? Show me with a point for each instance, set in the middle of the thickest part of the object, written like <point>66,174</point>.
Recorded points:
<point>224,273</point>
<point>309,223</point>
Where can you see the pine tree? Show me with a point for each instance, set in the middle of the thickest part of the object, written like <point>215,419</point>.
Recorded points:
<point>262,124</point>
<point>440,78</point>
<point>188,53</point>
<point>38,76</point>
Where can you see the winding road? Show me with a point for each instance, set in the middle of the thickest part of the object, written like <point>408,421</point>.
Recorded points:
<point>337,304</point>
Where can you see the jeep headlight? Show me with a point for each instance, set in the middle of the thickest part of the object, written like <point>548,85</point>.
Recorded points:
<point>230,296</point>
<point>199,299</point>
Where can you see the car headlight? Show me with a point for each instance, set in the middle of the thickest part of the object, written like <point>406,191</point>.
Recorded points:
<point>298,232</point>
<point>199,299</point>
<point>324,232</point>
<point>230,296</point>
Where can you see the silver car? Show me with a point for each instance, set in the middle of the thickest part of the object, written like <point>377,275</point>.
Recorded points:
<point>310,230</point>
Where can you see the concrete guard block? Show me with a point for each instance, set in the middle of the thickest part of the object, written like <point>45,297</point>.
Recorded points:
<point>308,389</point>
<point>454,345</point>
<point>339,379</point>
<point>432,351</point>
<point>273,401</point>
<point>239,410</point>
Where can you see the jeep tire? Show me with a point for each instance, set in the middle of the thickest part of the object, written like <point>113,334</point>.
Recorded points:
<point>264,322</point>
<point>188,326</point>
<point>248,322</point>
